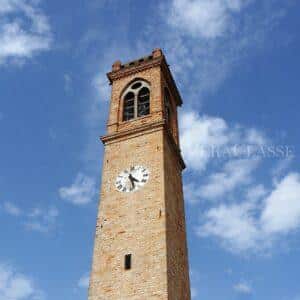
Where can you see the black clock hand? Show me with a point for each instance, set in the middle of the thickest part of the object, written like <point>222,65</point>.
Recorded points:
<point>132,180</point>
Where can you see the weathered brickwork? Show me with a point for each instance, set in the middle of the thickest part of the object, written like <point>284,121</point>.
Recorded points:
<point>177,261</point>
<point>149,224</point>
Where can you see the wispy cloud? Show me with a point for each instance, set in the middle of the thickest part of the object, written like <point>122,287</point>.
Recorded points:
<point>235,173</point>
<point>195,283</point>
<point>281,166</point>
<point>17,286</point>
<point>12,209</point>
<point>24,30</point>
<point>83,282</point>
<point>37,219</point>
<point>100,83</point>
<point>194,292</point>
<point>42,220</point>
<point>68,82</point>
<point>256,192</point>
<point>204,18</point>
<point>81,192</point>
<point>243,288</point>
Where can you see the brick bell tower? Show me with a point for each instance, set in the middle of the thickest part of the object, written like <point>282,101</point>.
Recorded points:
<point>140,250</point>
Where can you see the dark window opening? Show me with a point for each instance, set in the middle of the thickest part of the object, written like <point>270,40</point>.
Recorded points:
<point>127,262</point>
<point>167,106</point>
<point>128,112</point>
<point>136,85</point>
<point>144,102</point>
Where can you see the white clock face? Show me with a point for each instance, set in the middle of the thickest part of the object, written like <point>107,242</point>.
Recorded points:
<point>132,179</point>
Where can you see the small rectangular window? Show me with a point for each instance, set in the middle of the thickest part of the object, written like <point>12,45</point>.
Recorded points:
<point>127,261</point>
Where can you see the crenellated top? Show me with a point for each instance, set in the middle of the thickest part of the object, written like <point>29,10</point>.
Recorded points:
<point>157,58</point>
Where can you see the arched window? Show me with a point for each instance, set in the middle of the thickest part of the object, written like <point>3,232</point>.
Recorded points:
<point>136,100</point>
<point>128,112</point>
<point>143,102</point>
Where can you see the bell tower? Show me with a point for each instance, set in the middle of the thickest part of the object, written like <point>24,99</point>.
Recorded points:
<point>140,250</point>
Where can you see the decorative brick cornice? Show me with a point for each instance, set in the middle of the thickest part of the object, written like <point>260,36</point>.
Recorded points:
<point>141,130</point>
<point>106,139</point>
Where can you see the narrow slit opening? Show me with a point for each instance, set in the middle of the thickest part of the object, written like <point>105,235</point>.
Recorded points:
<point>127,262</point>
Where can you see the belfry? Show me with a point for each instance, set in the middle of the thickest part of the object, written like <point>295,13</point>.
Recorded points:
<point>140,250</point>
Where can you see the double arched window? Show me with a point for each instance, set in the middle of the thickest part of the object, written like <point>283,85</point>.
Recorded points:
<point>136,100</point>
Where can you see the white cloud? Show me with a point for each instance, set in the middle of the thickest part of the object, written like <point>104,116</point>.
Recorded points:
<point>243,288</point>
<point>198,135</point>
<point>192,194</point>
<point>24,30</point>
<point>255,137</point>
<point>83,282</point>
<point>7,6</point>
<point>42,220</point>
<point>195,282</point>
<point>256,192</point>
<point>101,84</point>
<point>12,209</point>
<point>282,208</point>
<point>68,82</point>
<point>255,225</point>
<point>81,192</point>
<point>38,219</point>
<point>194,292</point>
<point>235,173</point>
<point>281,166</point>
<point>16,286</point>
<point>204,18</point>
<point>234,225</point>
<point>52,134</point>
<point>206,138</point>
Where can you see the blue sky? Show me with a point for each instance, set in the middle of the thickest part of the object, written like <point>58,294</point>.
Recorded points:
<point>236,64</point>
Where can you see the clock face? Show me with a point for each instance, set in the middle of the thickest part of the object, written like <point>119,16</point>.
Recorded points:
<point>132,179</point>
